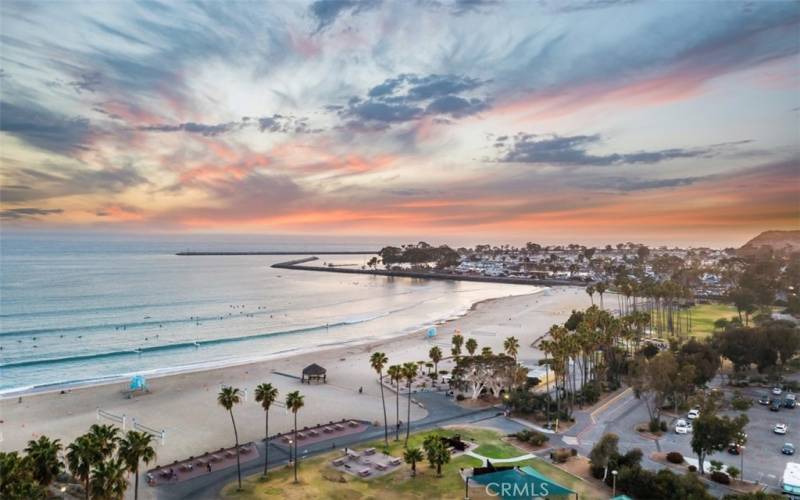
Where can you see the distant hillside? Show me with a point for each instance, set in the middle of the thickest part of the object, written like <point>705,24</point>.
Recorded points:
<point>778,240</point>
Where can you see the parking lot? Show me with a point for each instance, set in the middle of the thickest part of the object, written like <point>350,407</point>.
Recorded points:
<point>763,460</point>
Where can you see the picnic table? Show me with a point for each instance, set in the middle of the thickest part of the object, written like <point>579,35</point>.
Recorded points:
<point>364,472</point>
<point>327,430</point>
<point>369,451</point>
<point>395,461</point>
<point>339,461</point>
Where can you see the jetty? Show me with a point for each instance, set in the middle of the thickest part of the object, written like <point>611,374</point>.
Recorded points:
<point>325,252</point>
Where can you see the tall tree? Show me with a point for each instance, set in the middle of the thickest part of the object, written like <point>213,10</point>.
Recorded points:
<point>43,454</point>
<point>228,397</point>
<point>136,447</point>
<point>266,394</point>
<point>436,355</point>
<point>511,347</point>
<point>458,342</point>
<point>590,292</point>
<point>409,372</point>
<point>378,360</point>
<point>294,401</point>
<point>106,437</point>
<point>395,373</point>
<point>108,480</point>
<point>601,289</point>
<point>472,346</point>
<point>82,455</point>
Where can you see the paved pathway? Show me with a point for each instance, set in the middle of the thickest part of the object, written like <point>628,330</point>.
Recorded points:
<point>500,460</point>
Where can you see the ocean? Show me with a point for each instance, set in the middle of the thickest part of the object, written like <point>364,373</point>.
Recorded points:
<point>79,309</point>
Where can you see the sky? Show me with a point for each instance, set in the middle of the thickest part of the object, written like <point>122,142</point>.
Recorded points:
<point>452,120</point>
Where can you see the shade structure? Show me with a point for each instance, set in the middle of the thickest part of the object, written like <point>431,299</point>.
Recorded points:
<point>314,372</point>
<point>521,483</point>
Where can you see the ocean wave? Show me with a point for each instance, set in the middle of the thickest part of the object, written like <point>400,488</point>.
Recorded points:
<point>175,345</point>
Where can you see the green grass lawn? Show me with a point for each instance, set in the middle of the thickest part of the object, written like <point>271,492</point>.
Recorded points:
<point>704,316</point>
<point>319,480</point>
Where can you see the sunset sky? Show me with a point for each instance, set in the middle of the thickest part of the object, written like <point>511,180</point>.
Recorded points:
<point>505,121</point>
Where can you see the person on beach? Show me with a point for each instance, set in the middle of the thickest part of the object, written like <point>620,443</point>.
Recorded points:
<point>208,466</point>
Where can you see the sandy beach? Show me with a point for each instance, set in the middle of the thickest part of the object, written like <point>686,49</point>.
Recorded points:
<point>184,405</point>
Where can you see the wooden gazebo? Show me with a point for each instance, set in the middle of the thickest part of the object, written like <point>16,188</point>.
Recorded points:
<point>314,372</point>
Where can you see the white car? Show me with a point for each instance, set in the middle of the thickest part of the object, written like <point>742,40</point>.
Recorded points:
<point>776,391</point>
<point>693,414</point>
<point>683,427</point>
<point>780,429</point>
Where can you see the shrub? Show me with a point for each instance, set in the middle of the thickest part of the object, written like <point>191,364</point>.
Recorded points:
<point>560,455</point>
<point>733,472</point>
<point>531,437</point>
<point>674,457</point>
<point>573,452</point>
<point>720,477</point>
<point>692,468</point>
<point>654,426</point>
<point>460,397</point>
<point>716,465</point>
<point>663,426</point>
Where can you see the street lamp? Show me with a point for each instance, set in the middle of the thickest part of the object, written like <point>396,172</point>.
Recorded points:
<point>290,452</point>
<point>466,484</point>
<point>614,483</point>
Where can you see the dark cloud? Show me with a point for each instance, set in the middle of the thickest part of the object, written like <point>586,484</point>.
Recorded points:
<point>54,181</point>
<point>626,184</point>
<point>88,82</point>
<point>193,128</point>
<point>455,106</point>
<point>27,213</point>
<point>409,97</point>
<point>274,123</point>
<point>44,129</point>
<point>464,6</point>
<point>573,151</point>
<point>326,11</point>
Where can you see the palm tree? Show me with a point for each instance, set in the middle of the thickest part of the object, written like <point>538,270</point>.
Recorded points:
<point>511,346</point>
<point>266,394</point>
<point>601,289</point>
<point>436,355</point>
<point>43,453</point>
<point>226,398</point>
<point>472,346</point>
<point>411,457</point>
<point>458,341</point>
<point>438,453</point>
<point>395,373</point>
<point>409,372</point>
<point>590,290</point>
<point>378,360</point>
<point>108,480</point>
<point>136,447</point>
<point>294,401</point>
<point>82,455</point>
<point>106,436</point>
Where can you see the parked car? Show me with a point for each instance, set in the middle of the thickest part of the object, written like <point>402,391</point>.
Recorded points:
<point>776,391</point>
<point>788,449</point>
<point>780,429</point>
<point>789,403</point>
<point>683,427</point>
<point>693,414</point>
<point>764,399</point>
<point>733,449</point>
<point>775,405</point>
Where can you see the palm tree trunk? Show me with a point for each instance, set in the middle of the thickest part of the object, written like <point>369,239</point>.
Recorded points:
<point>385,418</point>
<point>266,441</point>
<point>87,487</point>
<point>408,418</point>
<point>238,463</point>
<point>136,484</point>
<point>295,447</point>
<point>397,413</point>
